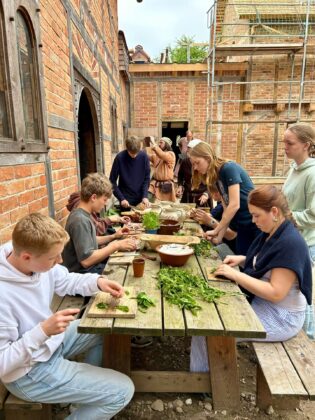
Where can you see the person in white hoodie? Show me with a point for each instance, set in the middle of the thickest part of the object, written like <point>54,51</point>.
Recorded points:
<point>299,189</point>
<point>35,344</point>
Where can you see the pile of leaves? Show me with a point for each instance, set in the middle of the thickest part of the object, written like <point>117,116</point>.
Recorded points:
<point>144,302</point>
<point>204,248</point>
<point>182,288</point>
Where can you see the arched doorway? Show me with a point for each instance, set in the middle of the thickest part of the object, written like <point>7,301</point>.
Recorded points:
<point>86,136</point>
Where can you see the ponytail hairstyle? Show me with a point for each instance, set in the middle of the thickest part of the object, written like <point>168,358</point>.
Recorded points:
<point>267,196</point>
<point>205,151</point>
<point>305,134</point>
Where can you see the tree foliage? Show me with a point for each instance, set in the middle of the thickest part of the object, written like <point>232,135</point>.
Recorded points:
<point>184,47</point>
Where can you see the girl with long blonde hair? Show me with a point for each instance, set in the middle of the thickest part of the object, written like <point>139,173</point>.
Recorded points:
<point>234,185</point>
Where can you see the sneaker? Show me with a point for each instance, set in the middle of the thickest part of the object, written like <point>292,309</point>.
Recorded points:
<point>140,342</point>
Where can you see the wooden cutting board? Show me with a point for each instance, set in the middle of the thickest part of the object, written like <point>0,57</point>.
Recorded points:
<point>95,312</point>
<point>123,260</point>
<point>155,240</point>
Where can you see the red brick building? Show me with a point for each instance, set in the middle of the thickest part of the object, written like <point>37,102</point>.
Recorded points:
<point>63,101</point>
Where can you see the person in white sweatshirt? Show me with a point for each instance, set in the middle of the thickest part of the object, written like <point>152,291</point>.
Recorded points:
<point>35,344</point>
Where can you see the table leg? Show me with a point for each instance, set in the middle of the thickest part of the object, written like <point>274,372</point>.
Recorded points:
<point>117,352</point>
<point>224,374</point>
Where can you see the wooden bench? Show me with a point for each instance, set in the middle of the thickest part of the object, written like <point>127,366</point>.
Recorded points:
<point>285,372</point>
<point>17,409</point>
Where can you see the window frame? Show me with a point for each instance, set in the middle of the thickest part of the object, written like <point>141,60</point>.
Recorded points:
<point>18,143</point>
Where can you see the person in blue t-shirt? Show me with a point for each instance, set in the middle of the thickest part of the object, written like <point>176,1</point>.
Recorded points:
<point>132,167</point>
<point>234,185</point>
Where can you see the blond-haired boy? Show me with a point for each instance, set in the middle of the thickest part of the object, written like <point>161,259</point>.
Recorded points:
<point>82,252</point>
<point>35,344</point>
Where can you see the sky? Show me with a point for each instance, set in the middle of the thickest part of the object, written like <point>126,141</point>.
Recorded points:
<point>155,24</point>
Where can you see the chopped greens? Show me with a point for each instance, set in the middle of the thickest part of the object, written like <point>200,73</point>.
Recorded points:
<point>144,302</point>
<point>203,248</point>
<point>102,305</point>
<point>122,308</point>
<point>182,288</point>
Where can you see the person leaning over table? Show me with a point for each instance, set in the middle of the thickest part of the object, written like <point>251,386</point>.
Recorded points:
<point>103,225</point>
<point>131,168</point>
<point>36,344</point>
<point>233,184</point>
<point>299,189</point>
<point>163,160</point>
<point>82,253</point>
<point>199,195</point>
<point>277,272</point>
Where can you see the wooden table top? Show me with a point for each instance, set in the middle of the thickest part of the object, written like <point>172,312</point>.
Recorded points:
<point>230,316</point>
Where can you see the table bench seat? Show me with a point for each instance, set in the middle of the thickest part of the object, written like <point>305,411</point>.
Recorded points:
<point>18,409</point>
<point>285,372</point>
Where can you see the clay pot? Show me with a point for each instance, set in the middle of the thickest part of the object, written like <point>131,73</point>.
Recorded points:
<point>138,267</point>
<point>168,227</point>
<point>169,256</point>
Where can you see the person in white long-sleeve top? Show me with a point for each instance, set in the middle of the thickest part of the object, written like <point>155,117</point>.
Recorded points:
<point>35,344</point>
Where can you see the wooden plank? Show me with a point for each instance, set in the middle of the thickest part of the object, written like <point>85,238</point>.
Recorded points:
<point>144,68</point>
<point>264,399</point>
<point>301,351</point>
<point>102,325</point>
<point>149,323</point>
<point>207,322</point>
<point>110,312</point>
<point>236,313</point>
<point>156,240</point>
<point>165,381</point>
<point>3,394</point>
<point>55,303</point>
<point>280,374</point>
<point>15,403</point>
<point>223,372</point>
<point>116,353</point>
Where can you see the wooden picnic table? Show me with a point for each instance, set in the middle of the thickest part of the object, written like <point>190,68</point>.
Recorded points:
<point>220,323</point>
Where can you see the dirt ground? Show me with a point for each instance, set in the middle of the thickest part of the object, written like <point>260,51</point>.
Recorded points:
<point>160,356</point>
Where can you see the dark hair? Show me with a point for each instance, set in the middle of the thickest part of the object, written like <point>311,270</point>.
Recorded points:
<point>267,196</point>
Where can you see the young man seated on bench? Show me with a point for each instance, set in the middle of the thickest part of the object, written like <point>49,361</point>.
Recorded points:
<point>35,344</point>
<point>83,253</point>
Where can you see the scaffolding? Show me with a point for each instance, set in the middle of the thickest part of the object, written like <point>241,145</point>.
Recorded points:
<point>277,41</point>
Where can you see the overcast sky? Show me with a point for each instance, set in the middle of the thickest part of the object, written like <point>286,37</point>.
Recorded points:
<point>154,24</point>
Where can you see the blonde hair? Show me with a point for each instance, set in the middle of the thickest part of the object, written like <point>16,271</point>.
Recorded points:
<point>95,183</point>
<point>205,151</point>
<point>305,134</point>
<point>37,233</point>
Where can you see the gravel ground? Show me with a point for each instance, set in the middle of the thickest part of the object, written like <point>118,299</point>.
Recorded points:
<point>160,356</point>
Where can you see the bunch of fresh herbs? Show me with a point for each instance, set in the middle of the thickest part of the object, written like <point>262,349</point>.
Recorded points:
<point>144,302</point>
<point>151,220</point>
<point>203,248</point>
<point>182,288</point>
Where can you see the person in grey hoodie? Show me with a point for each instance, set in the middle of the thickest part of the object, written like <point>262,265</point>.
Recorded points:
<point>299,189</point>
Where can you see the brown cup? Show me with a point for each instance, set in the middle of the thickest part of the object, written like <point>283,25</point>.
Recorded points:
<point>138,267</point>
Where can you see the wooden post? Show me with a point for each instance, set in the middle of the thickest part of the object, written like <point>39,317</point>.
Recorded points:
<point>223,372</point>
<point>116,352</point>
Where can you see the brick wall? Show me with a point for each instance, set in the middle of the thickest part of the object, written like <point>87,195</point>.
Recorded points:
<point>91,38</point>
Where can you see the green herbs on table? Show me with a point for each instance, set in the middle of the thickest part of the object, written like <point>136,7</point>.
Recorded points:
<point>104,305</point>
<point>204,248</point>
<point>150,220</point>
<point>182,288</point>
<point>144,302</point>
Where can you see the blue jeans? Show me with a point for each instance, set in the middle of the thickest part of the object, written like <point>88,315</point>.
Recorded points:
<point>100,393</point>
<point>309,323</point>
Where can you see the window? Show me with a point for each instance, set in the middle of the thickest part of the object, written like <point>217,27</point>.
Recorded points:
<point>22,122</point>
<point>4,122</point>
<point>113,121</point>
<point>28,78</point>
